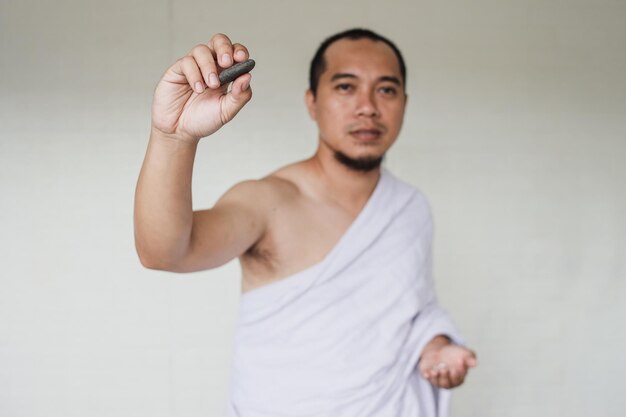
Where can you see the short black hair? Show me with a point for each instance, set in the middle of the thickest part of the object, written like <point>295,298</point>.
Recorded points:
<point>318,64</point>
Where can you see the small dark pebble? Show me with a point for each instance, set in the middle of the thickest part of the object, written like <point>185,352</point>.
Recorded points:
<point>229,74</point>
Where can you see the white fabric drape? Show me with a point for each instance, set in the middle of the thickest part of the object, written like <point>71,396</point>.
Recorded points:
<point>342,338</point>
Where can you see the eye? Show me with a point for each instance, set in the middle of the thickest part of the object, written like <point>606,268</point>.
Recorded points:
<point>344,87</point>
<point>388,90</point>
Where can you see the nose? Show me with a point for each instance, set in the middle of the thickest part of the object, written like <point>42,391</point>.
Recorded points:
<point>366,105</point>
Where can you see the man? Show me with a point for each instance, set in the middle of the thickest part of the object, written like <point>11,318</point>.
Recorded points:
<point>338,313</point>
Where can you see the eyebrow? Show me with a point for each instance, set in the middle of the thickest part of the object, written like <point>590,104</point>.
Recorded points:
<point>391,79</point>
<point>341,75</point>
<point>388,78</point>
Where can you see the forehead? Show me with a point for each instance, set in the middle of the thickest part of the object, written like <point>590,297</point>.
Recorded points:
<point>361,57</point>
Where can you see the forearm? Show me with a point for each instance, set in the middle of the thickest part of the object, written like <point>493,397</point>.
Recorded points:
<point>163,204</point>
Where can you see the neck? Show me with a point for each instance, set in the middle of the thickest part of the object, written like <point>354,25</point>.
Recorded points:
<point>333,180</point>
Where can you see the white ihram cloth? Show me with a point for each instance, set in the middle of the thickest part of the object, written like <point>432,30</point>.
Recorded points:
<point>343,337</point>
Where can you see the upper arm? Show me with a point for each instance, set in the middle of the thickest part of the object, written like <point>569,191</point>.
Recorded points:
<point>232,226</point>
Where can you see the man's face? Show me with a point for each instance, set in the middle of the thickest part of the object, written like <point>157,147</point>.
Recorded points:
<point>360,100</point>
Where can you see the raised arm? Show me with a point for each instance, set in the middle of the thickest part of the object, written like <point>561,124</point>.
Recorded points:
<point>190,104</point>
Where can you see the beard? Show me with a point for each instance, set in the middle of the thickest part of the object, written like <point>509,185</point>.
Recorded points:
<point>365,164</point>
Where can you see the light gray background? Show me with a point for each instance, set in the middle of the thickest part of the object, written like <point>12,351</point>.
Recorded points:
<point>515,130</point>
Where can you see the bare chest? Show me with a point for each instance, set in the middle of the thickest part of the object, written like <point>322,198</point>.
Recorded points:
<point>298,237</point>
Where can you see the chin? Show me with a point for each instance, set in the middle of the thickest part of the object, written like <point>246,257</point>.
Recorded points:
<point>363,163</point>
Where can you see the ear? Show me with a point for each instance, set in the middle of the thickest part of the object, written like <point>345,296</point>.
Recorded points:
<point>309,100</point>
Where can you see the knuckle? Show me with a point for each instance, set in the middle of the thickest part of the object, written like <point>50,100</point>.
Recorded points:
<point>205,61</point>
<point>222,38</point>
<point>199,49</point>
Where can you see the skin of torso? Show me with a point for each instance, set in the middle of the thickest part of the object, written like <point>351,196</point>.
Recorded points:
<point>302,228</point>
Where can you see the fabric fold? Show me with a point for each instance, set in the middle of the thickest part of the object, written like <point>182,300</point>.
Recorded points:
<point>343,337</point>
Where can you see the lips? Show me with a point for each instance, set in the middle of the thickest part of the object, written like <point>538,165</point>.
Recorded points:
<point>366,134</point>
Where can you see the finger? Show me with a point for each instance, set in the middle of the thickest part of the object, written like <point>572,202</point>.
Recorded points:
<point>471,361</point>
<point>223,48</point>
<point>443,379</point>
<point>425,364</point>
<point>427,371</point>
<point>240,52</point>
<point>434,375</point>
<point>237,97</point>
<point>455,382</point>
<point>456,377</point>
<point>189,68</point>
<point>206,62</point>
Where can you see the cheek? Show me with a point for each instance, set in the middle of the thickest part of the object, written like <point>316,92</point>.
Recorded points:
<point>332,114</point>
<point>395,115</point>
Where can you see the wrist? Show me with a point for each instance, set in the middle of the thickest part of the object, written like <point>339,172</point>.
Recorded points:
<point>172,139</point>
<point>436,343</point>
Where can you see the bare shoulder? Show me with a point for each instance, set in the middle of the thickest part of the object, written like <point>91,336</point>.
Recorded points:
<point>268,190</point>
<point>277,188</point>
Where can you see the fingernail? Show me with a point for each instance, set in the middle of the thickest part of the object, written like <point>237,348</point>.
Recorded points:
<point>226,59</point>
<point>213,80</point>
<point>199,87</point>
<point>245,85</point>
<point>240,54</point>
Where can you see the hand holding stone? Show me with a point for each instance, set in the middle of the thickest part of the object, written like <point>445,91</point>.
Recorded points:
<point>190,102</point>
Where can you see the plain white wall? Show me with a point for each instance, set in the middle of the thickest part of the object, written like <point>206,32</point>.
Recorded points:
<point>516,131</point>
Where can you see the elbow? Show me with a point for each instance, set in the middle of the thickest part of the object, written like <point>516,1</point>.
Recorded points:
<point>165,263</point>
<point>156,261</point>
<point>161,265</point>
<point>162,259</point>
<point>152,262</point>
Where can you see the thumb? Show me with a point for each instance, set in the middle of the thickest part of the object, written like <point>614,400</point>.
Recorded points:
<point>239,94</point>
<point>470,360</point>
